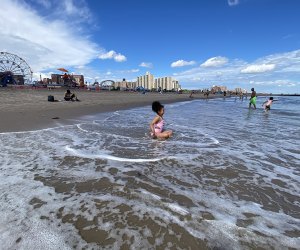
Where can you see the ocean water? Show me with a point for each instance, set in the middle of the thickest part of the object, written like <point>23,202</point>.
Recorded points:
<point>229,178</point>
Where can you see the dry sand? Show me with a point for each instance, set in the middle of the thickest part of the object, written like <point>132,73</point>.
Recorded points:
<point>29,109</point>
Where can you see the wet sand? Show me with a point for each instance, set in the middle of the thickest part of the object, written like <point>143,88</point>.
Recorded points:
<point>29,109</point>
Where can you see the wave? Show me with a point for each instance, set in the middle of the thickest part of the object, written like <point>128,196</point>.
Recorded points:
<point>109,157</point>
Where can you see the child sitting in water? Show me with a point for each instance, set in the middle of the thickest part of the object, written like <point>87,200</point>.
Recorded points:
<point>157,125</point>
<point>267,104</point>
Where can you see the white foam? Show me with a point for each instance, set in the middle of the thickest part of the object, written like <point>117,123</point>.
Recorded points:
<point>84,130</point>
<point>108,157</point>
<point>178,209</point>
<point>154,196</point>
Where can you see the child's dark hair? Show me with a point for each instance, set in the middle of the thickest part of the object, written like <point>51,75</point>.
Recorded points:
<point>156,106</point>
<point>271,98</point>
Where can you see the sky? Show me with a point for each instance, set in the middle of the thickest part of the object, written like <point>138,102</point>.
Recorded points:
<point>201,43</point>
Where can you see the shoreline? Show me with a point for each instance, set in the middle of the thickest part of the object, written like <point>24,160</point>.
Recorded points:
<point>29,109</point>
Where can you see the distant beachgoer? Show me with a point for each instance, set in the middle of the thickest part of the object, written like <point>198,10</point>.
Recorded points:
<point>191,94</point>
<point>206,94</point>
<point>241,95</point>
<point>159,90</point>
<point>267,104</point>
<point>253,99</point>
<point>157,125</point>
<point>69,96</point>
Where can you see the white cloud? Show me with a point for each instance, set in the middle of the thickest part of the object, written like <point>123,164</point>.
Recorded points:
<point>181,63</point>
<point>214,62</point>
<point>112,55</point>
<point>279,83</point>
<point>41,75</point>
<point>275,69</point>
<point>129,71</point>
<point>252,69</point>
<point>42,43</point>
<point>233,2</point>
<point>80,67</point>
<point>285,62</point>
<point>146,65</point>
<point>132,71</point>
<point>45,3</point>
<point>77,11</point>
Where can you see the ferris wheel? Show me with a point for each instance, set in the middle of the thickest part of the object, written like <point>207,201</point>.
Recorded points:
<point>14,70</point>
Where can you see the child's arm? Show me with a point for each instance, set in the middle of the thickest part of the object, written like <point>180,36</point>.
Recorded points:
<point>154,121</point>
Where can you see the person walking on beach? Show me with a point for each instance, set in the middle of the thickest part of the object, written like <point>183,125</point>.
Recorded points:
<point>267,104</point>
<point>157,125</point>
<point>252,99</point>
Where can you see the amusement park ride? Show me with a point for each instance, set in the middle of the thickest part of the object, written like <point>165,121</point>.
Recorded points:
<point>14,70</point>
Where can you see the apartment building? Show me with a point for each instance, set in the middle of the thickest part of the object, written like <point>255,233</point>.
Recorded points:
<point>146,81</point>
<point>167,83</point>
<point>123,85</point>
<point>218,88</point>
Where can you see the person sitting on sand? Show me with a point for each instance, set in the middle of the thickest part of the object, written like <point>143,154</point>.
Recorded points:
<point>157,125</point>
<point>267,104</point>
<point>252,99</point>
<point>69,96</point>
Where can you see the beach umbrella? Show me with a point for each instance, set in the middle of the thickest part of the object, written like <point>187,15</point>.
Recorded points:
<point>62,69</point>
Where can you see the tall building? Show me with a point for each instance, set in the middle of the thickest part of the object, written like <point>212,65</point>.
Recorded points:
<point>124,85</point>
<point>167,83</point>
<point>240,90</point>
<point>176,85</point>
<point>146,81</point>
<point>218,88</point>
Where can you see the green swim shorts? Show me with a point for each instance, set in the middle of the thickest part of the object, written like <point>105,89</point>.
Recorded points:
<point>253,100</point>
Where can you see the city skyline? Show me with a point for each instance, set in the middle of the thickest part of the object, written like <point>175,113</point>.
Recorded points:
<point>237,43</point>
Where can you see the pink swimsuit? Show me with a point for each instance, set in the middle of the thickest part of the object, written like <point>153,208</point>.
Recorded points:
<point>158,127</point>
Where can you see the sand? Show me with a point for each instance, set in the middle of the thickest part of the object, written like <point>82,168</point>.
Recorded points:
<point>29,109</point>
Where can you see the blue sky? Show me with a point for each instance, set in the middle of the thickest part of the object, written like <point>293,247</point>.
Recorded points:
<point>237,43</point>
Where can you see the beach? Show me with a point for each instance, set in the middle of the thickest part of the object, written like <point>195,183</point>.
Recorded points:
<point>228,178</point>
<point>29,109</point>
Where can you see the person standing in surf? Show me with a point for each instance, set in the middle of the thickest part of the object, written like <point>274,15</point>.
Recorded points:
<point>267,104</point>
<point>252,99</point>
<point>157,124</point>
